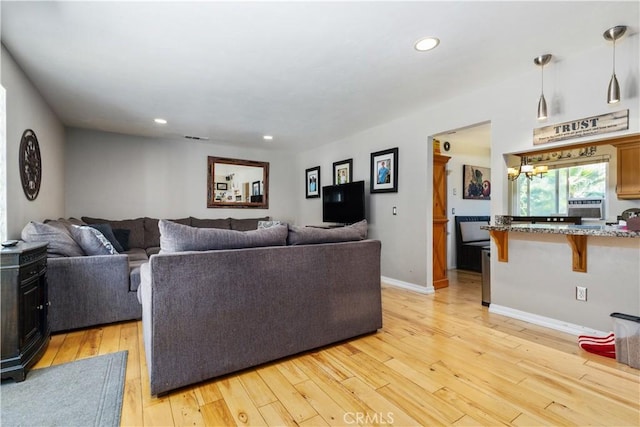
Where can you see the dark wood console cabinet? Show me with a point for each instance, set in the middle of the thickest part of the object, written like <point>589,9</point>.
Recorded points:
<point>25,328</point>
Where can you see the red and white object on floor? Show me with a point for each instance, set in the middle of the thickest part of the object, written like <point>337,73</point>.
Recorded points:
<point>603,346</point>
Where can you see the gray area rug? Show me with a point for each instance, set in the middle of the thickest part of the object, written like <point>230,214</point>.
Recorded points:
<point>86,392</point>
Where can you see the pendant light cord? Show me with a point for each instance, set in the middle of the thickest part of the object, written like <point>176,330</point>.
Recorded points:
<point>614,57</point>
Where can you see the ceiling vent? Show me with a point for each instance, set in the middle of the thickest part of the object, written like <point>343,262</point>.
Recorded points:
<point>197,138</point>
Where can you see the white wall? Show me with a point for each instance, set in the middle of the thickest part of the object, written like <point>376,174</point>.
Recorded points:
<point>120,176</point>
<point>26,109</point>
<point>575,88</point>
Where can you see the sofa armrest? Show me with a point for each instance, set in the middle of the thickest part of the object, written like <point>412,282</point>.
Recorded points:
<point>89,290</point>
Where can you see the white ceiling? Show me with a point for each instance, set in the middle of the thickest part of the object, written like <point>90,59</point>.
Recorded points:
<point>307,73</point>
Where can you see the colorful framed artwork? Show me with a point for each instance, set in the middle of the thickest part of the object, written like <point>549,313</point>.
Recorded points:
<point>384,171</point>
<point>343,172</point>
<point>476,183</point>
<point>312,182</point>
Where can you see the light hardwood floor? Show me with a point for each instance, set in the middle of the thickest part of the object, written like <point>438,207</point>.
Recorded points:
<point>440,359</point>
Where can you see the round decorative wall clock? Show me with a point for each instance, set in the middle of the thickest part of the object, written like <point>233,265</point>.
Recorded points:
<point>30,164</point>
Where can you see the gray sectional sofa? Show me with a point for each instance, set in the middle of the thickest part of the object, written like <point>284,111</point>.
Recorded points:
<point>209,309</point>
<point>215,296</point>
<point>91,284</point>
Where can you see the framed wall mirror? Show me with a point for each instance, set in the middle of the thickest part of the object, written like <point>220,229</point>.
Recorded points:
<point>235,183</point>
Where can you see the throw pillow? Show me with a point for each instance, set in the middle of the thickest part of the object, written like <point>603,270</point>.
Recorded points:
<point>92,241</point>
<point>177,238</point>
<point>107,232</point>
<point>311,235</point>
<point>362,227</point>
<point>122,236</point>
<point>61,244</point>
<point>136,227</point>
<point>268,224</point>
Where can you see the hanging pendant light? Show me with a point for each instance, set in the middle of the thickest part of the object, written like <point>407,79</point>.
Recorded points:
<point>541,61</point>
<point>613,34</point>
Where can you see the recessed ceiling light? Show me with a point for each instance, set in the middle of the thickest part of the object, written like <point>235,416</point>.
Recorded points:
<point>267,137</point>
<point>427,43</point>
<point>160,121</point>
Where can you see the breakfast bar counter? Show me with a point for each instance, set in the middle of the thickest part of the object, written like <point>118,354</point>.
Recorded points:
<point>576,236</point>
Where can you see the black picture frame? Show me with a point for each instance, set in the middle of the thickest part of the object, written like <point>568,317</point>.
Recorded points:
<point>221,186</point>
<point>343,172</point>
<point>312,182</point>
<point>384,171</point>
<point>476,182</point>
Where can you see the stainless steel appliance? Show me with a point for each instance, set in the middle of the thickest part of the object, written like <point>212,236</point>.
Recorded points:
<point>586,208</point>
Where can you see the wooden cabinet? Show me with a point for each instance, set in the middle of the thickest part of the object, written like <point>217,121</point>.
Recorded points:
<point>440,220</point>
<point>628,174</point>
<point>25,329</point>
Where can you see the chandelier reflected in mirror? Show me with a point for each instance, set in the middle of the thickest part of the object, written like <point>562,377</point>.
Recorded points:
<point>528,170</point>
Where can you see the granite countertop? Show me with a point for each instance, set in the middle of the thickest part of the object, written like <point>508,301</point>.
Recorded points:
<point>583,230</point>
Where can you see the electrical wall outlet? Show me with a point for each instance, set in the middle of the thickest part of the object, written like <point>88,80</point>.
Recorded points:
<point>581,293</point>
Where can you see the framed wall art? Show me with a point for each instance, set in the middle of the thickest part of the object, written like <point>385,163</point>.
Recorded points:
<point>312,182</point>
<point>476,183</point>
<point>343,172</point>
<point>384,171</point>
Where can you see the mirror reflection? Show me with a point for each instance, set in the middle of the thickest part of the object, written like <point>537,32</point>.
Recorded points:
<point>235,183</point>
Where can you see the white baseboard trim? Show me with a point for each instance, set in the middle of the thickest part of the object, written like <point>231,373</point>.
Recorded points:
<point>407,285</point>
<point>547,322</point>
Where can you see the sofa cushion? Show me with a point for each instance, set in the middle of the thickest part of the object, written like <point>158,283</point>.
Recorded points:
<point>107,232</point>
<point>471,231</point>
<point>224,223</point>
<point>177,238</point>
<point>134,274</point>
<point>247,223</point>
<point>312,235</point>
<point>135,227</point>
<point>61,243</point>
<point>92,241</point>
<point>137,254</point>
<point>152,251</point>
<point>152,233</point>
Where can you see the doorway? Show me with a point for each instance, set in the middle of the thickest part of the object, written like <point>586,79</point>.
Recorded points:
<point>469,146</point>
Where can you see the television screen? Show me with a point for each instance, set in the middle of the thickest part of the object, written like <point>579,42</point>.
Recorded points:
<point>344,203</point>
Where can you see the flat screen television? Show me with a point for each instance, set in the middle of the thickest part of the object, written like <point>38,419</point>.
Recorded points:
<point>344,203</point>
